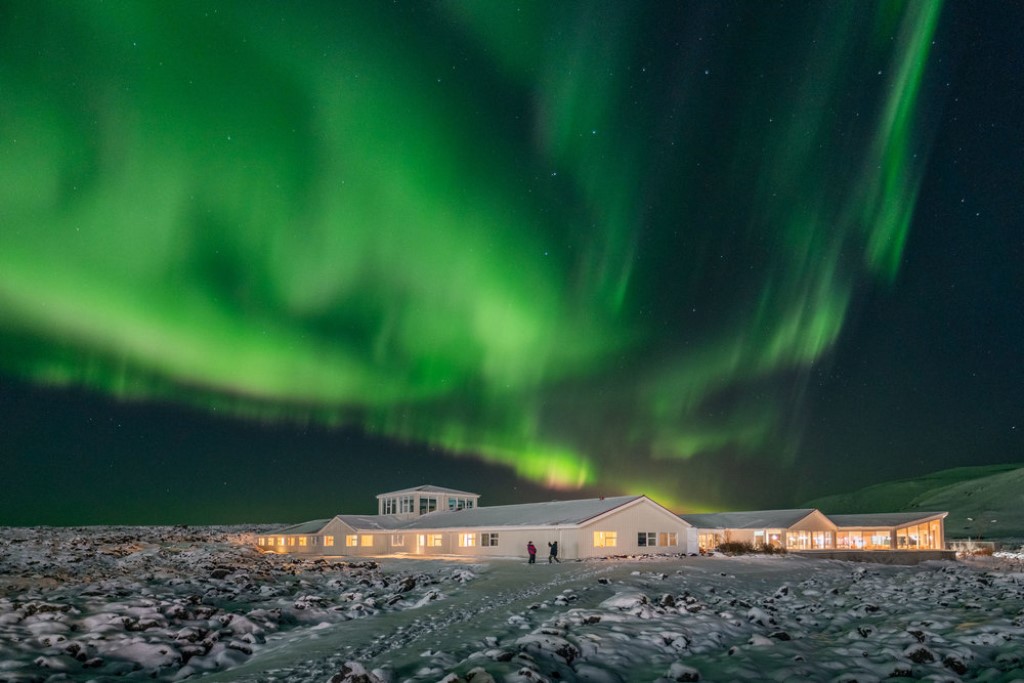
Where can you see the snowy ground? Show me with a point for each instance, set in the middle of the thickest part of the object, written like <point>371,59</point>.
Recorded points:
<point>171,604</point>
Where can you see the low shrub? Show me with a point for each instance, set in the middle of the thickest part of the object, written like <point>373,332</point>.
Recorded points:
<point>735,548</point>
<point>743,548</point>
<point>771,550</point>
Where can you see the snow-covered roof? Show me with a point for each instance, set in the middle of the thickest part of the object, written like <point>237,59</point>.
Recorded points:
<point>756,519</point>
<point>428,488</point>
<point>884,519</point>
<point>310,527</point>
<point>364,522</point>
<point>554,513</point>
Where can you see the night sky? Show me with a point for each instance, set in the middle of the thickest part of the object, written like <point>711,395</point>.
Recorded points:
<point>260,261</point>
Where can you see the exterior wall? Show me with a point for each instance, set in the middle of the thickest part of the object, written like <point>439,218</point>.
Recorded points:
<point>626,522</point>
<point>815,521</point>
<point>326,541</point>
<point>813,532</point>
<point>738,535</point>
<point>692,546</point>
<point>512,542</point>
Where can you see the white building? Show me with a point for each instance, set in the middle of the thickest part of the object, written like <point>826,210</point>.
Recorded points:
<point>432,520</point>
<point>810,529</point>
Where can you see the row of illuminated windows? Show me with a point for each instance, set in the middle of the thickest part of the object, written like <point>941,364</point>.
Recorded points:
<point>397,504</point>
<point>927,536</point>
<point>602,539</point>
<point>300,541</point>
<point>656,538</point>
<point>863,540</point>
<point>924,536</point>
<point>644,539</point>
<point>487,540</point>
<point>808,540</point>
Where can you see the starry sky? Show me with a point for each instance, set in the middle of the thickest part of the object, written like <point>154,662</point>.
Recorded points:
<point>260,261</point>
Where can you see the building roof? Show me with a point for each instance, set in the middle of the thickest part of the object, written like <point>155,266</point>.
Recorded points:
<point>310,527</point>
<point>883,519</point>
<point>554,513</point>
<point>428,488</point>
<point>364,522</point>
<point>756,519</point>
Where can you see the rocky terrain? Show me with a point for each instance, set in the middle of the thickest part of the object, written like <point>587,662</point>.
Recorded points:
<point>104,604</point>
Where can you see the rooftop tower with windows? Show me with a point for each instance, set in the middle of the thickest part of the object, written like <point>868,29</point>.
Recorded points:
<point>420,500</point>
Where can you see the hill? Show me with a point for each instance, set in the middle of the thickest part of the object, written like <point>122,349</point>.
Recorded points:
<point>982,501</point>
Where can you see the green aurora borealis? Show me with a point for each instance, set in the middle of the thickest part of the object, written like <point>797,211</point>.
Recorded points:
<point>601,243</point>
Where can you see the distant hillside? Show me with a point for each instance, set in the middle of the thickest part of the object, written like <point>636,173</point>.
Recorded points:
<point>991,496</point>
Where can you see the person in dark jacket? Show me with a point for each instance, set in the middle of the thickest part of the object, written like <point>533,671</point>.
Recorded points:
<point>553,553</point>
<point>532,550</point>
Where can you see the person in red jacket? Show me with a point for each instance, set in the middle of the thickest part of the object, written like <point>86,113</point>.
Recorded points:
<point>532,550</point>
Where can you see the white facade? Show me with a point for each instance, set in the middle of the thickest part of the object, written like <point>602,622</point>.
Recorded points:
<point>585,528</point>
<point>797,530</point>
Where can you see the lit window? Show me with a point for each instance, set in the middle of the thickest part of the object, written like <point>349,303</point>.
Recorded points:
<point>291,540</point>
<point>646,538</point>
<point>259,541</point>
<point>281,541</point>
<point>605,539</point>
<point>366,540</point>
<point>880,539</point>
<point>467,540</point>
<point>667,538</point>
<point>489,540</point>
<point>798,540</point>
<point>707,541</point>
<point>397,540</point>
<point>302,540</point>
<point>351,540</point>
<point>429,540</point>
<point>328,541</point>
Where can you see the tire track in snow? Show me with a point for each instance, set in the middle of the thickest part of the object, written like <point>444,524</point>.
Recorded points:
<point>387,638</point>
<point>471,610</point>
